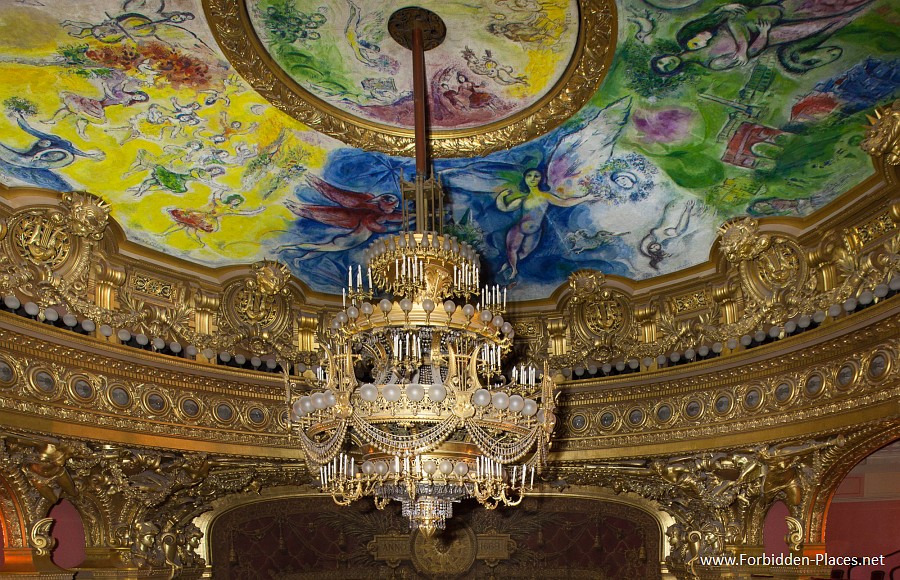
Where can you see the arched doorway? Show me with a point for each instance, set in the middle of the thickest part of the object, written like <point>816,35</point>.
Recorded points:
<point>864,515</point>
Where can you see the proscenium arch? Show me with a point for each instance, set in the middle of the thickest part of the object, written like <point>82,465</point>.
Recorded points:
<point>869,440</point>
<point>207,521</point>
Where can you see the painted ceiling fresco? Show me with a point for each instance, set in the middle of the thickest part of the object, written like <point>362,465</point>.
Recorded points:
<point>710,110</point>
<point>496,60</point>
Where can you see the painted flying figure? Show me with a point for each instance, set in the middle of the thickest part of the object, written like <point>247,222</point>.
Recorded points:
<point>87,110</point>
<point>571,157</point>
<point>141,21</point>
<point>35,164</point>
<point>363,214</point>
<point>206,220</point>
<point>669,227</point>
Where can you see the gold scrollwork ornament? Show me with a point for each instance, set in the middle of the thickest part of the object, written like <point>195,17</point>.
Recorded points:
<point>883,136</point>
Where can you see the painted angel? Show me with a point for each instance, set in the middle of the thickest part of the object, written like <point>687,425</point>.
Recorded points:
<point>555,180</point>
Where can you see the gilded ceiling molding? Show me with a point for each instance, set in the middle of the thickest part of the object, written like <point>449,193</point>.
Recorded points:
<point>46,255</point>
<point>231,26</point>
<point>119,393</point>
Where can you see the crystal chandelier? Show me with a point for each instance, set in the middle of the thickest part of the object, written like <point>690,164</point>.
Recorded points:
<point>412,401</point>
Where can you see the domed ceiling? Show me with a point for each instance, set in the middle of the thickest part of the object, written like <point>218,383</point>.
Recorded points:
<point>225,132</point>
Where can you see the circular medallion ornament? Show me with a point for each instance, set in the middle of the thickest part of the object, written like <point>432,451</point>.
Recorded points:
<point>83,388</point>
<point>497,74</point>
<point>752,398</point>
<point>693,409</point>
<point>44,381</point>
<point>814,383</point>
<point>578,422</point>
<point>607,419</point>
<point>156,403</point>
<point>723,404</point>
<point>636,417</point>
<point>257,416</point>
<point>7,374</point>
<point>119,397</point>
<point>224,412</point>
<point>190,407</point>
<point>845,376</point>
<point>664,413</point>
<point>783,392</point>
<point>878,365</point>
<point>446,555</point>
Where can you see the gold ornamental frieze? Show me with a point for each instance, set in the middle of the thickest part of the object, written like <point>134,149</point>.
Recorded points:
<point>844,374</point>
<point>119,391</point>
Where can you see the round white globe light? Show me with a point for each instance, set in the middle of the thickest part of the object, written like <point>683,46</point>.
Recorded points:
<point>391,393</point>
<point>437,393</point>
<point>500,400</point>
<point>481,397</point>
<point>516,403</point>
<point>529,408</point>
<point>368,392</point>
<point>415,393</point>
<point>446,467</point>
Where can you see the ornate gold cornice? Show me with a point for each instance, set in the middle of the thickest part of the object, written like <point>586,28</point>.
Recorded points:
<point>832,378</point>
<point>230,24</point>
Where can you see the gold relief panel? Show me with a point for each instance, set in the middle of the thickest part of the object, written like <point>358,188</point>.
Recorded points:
<point>527,328</point>
<point>152,286</point>
<point>259,303</point>
<point>782,265</point>
<point>40,238</point>
<point>603,317</point>
<point>698,300</point>
<point>872,229</point>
